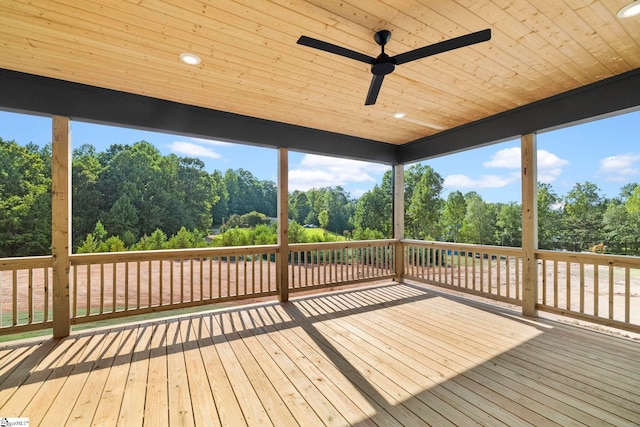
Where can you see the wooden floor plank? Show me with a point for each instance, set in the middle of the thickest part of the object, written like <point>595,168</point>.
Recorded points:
<point>19,398</point>
<point>227,404</point>
<point>278,412</point>
<point>156,408</point>
<point>202,398</point>
<point>385,355</point>
<point>254,412</point>
<point>328,393</point>
<point>283,383</point>
<point>434,401</point>
<point>73,381</point>
<point>299,372</point>
<point>400,347</point>
<point>87,402</point>
<point>405,380</point>
<point>114,388</point>
<point>131,412</point>
<point>18,367</point>
<point>64,366</point>
<point>180,407</point>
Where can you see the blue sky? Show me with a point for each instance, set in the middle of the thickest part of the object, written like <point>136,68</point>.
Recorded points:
<point>605,152</point>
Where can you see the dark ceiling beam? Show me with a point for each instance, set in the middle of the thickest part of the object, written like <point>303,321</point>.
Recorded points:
<point>607,97</point>
<point>46,96</point>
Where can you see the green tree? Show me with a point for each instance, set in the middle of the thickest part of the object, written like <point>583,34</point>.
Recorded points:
<point>25,200</point>
<point>184,239</point>
<point>549,217</point>
<point>479,223</point>
<point>455,210</point>
<point>122,217</point>
<point>373,211</point>
<point>509,224</point>
<point>86,197</point>
<point>299,206</point>
<point>323,217</point>
<point>425,203</point>
<point>157,240</point>
<point>584,209</point>
<point>296,233</point>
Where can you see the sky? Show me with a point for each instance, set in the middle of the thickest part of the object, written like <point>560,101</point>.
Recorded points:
<point>605,152</point>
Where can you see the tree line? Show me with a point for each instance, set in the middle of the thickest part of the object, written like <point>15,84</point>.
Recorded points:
<point>576,221</point>
<point>133,197</point>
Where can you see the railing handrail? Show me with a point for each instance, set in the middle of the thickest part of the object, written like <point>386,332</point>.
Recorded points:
<point>296,247</point>
<point>497,250</point>
<point>152,255</point>
<point>590,258</point>
<point>25,262</point>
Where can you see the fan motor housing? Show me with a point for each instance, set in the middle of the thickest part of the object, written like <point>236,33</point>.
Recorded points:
<point>383,65</point>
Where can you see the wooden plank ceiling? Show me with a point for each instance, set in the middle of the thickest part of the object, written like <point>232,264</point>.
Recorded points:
<point>251,64</point>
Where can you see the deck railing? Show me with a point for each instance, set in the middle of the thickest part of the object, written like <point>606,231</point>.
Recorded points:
<point>488,271</point>
<point>25,293</point>
<point>318,265</point>
<point>601,288</point>
<point>108,285</point>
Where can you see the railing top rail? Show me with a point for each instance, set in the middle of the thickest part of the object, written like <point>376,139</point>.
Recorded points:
<point>503,250</point>
<point>26,262</point>
<point>589,257</point>
<point>79,259</point>
<point>340,245</point>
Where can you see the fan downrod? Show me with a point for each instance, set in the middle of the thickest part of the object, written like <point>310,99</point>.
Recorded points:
<point>383,64</point>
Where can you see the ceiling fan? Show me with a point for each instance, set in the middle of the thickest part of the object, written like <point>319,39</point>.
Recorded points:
<point>385,64</point>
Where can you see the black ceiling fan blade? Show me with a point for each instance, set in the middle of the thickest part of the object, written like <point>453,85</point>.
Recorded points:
<point>332,48</point>
<point>374,89</point>
<point>444,46</point>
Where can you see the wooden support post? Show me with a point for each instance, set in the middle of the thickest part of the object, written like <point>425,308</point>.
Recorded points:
<point>529,166</point>
<point>282,267</point>
<point>61,223</point>
<point>398,219</point>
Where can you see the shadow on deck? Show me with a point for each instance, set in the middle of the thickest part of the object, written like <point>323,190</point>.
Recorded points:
<point>383,355</point>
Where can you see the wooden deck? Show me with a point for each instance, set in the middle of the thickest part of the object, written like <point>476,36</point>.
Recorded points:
<point>385,355</point>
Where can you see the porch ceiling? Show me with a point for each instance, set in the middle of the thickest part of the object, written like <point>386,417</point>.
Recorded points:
<point>252,68</point>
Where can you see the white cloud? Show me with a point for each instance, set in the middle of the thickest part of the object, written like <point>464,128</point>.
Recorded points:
<point>549,169</point>
<point>211,142</point>
<point>620,167</point>
<point>192,150</point>
<point>549,166</point>
<point>507,158</point>
<point>320,171</point>
<point>485,181</point>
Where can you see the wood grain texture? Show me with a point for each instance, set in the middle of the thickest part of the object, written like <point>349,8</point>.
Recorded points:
<point>251,64</point>
<point>384,355</point>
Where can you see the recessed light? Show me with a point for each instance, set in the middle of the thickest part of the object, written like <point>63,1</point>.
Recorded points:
<point>632,9</point>
<point>398,115</point>
<point>190,58</point>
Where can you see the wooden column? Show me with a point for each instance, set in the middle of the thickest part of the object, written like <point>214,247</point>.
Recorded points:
<point>398,219</point>
<point>282,267</point>
<point>529,166</point>
<point>61,223</point>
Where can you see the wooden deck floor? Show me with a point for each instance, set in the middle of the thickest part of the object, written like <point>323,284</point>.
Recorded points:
<point>385,355</point>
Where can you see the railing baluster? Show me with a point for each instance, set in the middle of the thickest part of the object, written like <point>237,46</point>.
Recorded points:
<point>555,283</point>
<point>544,282</point>
<point>596,288</point>
<point>46,294</point>
<point>30,296</point>
<point>582,296</point>
<point>627,294</point>
<point>568,279</point>
<point>611,292</point>
<point>88,307</point>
